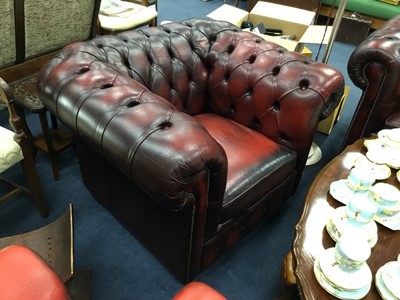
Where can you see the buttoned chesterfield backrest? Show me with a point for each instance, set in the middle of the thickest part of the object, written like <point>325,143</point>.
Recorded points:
<point>191,133</point>
<point>203,66</point>
<point>374,67</point>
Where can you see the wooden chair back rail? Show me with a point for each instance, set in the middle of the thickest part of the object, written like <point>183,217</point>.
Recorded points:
<point>28,163</point>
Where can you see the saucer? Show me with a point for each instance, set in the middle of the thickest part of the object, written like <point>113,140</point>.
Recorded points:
<point>384,157</point>
<point>346,280</point>
<point>377,171</point>
<point>390,276</point>
<point>392,223</point>
<point>381,153</point>
<point>384,285</point>
<point>390,137</point>
<point>359,282</point>
<point>338,224</point>
<point>341,191</point>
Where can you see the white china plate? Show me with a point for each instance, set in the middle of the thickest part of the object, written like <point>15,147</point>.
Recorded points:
<point>353,281</point>
<point>390,137</point>
<point>384,157</point>
<point>380,153</point>
<point>377,171</point>
<point>390,276</point>
<point>336,291</point>
<point>338,224</point>
<point>382,287</point>
<point>398,175</point>
<point>342,193</point>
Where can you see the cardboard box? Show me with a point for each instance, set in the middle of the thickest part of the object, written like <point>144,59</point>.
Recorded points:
<point>307,52</point>
<point>292,21</point>
<point>326,126</point>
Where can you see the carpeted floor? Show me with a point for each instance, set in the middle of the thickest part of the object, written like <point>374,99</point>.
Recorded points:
<point>120,268</point>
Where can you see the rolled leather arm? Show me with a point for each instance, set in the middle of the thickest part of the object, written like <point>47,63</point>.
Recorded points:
<point>374,67</point>
<point>394,120</point>
<point>381,48</point>
<point>143,135</point>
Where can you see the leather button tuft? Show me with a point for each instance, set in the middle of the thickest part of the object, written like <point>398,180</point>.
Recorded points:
<point>304,83</point>
<point>149,58</point>
<point>276,70</point>
<point>83,70</point>
<point>170,53</point>
<point>107,85</point>
<point>126,62</point>
<point>276,105</point>
<point>165,125</point>
<point>252,58</point>
<point>132,103</point>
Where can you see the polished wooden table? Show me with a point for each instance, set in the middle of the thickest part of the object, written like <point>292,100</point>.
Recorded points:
<point>312,238</point>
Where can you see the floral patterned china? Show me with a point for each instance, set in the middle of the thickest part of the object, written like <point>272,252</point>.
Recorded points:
<point>387,280</point>
<point>390,137</point>
<point>385,149</point>
<point>339,224</point>
<point>386,197</point>
<point>342,271</point>
<point>376,171</point>
<point>342,193</point>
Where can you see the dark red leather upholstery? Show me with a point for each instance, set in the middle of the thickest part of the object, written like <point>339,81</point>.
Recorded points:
<point>190,133</point>
<point>24,275</point>
<point>374,67</point>
<point>198,291</point>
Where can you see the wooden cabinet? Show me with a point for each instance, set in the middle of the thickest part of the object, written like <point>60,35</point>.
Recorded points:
<point>311,5</point>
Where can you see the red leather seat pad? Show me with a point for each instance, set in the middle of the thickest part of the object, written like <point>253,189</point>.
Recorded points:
<point>24,275</point>
<point>198,291</point>
<point>252,158</point>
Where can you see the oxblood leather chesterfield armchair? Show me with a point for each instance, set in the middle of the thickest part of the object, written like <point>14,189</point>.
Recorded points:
<point>190,133</point>
<point>374,67</point>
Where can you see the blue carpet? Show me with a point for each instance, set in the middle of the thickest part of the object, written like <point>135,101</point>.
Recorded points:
<point>120,267</point>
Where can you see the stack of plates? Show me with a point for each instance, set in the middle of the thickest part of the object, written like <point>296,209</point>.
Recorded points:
<point>339,281</point>
<point>387,281</point>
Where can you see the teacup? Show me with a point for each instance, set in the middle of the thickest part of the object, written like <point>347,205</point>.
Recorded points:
<point>386,197</point>
<point>352,250</point>
<point>360,211</point>
<point>359,179</point>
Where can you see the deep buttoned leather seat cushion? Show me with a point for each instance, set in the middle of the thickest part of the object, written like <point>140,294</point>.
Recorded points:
<point>259,164</point>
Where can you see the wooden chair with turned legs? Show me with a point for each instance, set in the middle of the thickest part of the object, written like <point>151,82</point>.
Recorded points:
<point>15,146</point>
